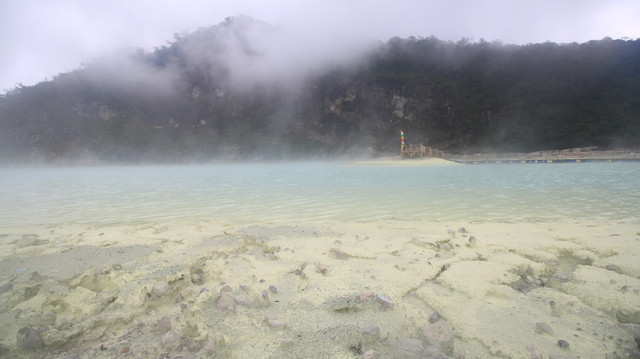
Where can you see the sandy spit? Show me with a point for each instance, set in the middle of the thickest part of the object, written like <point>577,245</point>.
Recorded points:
<point>397,162</point>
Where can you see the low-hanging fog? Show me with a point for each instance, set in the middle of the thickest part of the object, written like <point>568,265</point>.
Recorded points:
<point>240,53</point>
<point>41,39</point>
<point>246,88</point>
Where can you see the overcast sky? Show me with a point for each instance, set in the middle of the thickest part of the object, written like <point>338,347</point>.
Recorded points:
<point>42,38</point>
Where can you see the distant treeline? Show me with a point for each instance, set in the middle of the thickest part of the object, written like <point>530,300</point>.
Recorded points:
<point>210,95</point>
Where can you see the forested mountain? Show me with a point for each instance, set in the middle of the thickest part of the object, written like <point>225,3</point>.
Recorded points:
<point>239,90</point>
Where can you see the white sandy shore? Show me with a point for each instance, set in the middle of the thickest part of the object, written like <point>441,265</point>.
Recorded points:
<point>318,290</point>
<point>397,162</point>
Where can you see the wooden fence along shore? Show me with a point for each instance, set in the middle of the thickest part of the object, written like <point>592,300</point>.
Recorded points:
<point>574,155</point>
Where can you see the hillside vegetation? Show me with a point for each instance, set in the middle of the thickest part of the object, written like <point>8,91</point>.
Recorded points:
<point>237,90</point>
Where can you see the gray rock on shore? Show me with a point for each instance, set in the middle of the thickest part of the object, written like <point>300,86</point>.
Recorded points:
<point>226,301</point>
<point>371,330</point>
<point>163,325</point>
<point>275,323</point>
<point>161,288</point>
<point>385,301</point>
<point>29,339</point>
<point>439,334</point>
<point>171,339</point>
<point>240,300</point>
<point>544,327</point>
<point>434,317</point>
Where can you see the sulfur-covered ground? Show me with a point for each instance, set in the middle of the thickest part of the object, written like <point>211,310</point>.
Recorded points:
<point>379,289</point>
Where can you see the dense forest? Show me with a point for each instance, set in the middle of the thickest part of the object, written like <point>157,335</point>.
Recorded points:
<point>224,92</point>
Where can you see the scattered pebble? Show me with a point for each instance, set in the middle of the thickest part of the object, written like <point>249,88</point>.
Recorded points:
<point>439,334</point>
<point>275,323</point>
<point>161,288</point>
<point>164,324</point>
<point>613,267</point>
<point>226,301</point>
<point>196,278</point>
<point>244,287</point>
<point>338,254</point>
<point>544,327</point>
<point>242,301</point>
<point>371,330</point>
<point>273,289</point>
<point>187,292</point>
<point>554,309</point>
<point>384,301</point>
<point>370,354</point>
<point>269,317</point>
<point>171,340</point>
<point>210,347</point>
<point>48,317</point>
<point>434,317</point>
<point>226,288</point>
<point>472,241</point>
<point>193,346</point>
<point>563,344</point>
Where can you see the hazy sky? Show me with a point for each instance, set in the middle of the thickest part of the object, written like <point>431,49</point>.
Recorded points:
<point>41,38</point>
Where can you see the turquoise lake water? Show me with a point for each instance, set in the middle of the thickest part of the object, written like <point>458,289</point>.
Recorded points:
<point>320,191</point>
